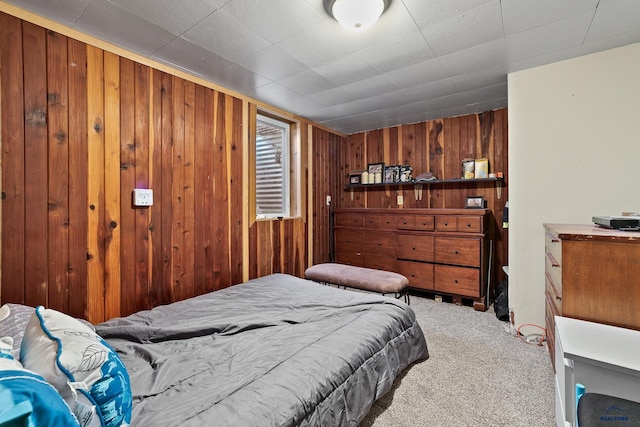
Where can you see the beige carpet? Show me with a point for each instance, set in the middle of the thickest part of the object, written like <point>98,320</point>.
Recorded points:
<point>478,374</point>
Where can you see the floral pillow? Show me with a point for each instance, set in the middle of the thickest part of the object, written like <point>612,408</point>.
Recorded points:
<point>84,369</point>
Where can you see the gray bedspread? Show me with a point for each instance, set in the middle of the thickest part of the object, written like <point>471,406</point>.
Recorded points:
<point>275,351</point>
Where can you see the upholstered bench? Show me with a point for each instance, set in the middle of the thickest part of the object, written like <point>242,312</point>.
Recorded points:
<point>368,279</point>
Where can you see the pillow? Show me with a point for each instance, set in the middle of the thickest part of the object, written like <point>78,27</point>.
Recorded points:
<point>80,365</point>
<point>13,321</point>
<point>26,394</point>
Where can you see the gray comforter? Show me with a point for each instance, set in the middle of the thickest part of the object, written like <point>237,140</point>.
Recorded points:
<point>275,351</point>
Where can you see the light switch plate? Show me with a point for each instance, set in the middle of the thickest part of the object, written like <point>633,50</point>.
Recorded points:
<point>142,197</point>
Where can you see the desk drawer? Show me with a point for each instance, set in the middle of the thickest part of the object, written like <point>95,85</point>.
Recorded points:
<point>415,247</point>
<point>420,274</point>
<point>458,251</point>
<point>457,280</point>
<point>380,263</point>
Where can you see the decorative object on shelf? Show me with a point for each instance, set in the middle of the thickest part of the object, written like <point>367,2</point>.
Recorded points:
<point>426,176</point>
<point>376,170</point>
<point>392,174</point>
<point>475,202</point>
<point>468,168</point>
<point>482,168</point>
<point>406,172</point>
<point>355,177</point>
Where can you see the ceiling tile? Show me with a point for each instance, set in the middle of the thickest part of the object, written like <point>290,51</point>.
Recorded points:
<point>285,17</point>
<point>523,15</point>
<point>555,36</point>
<point>615,17</point>
<point>467,29</point>
<point>430,89</point>
<point>272,63</point>
<point>318,44</point>
<point>475,58</point>
<point>398,52</point>
<point>241,79</point>
<point>546,58</point>
<point>429,12</point>
<point>238,40</point>
<point>65,12</point>
<point>348,69</point>
<point>485,77</point>
<point>176,17</point>
<point>307,82</point>
<point>107,21</point>
<point>417,74</point>
<point>191,58</point>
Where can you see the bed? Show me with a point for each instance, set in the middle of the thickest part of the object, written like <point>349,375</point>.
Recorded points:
<point>274,351</point>
<point>277,350</point>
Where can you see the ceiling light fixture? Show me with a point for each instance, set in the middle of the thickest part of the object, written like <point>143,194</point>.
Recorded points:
<point>356,15</point>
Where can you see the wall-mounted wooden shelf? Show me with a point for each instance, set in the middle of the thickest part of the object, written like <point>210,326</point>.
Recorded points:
<point>432,182</point>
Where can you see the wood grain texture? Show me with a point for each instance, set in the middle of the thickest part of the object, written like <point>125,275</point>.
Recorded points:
<point>436,146</point>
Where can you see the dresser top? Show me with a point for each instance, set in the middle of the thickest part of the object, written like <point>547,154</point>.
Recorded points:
<point>591,232</point>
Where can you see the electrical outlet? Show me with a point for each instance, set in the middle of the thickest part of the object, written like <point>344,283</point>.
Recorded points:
<point>328,200</point>
<point>400,200</point>
<point>142,197</point>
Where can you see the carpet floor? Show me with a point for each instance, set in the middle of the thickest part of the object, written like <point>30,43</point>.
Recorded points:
<point>479,373</point>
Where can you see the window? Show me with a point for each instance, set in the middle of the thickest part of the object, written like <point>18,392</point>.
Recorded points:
<point>272,168</point>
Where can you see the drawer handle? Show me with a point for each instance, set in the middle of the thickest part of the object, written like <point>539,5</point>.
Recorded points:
<point>379,243</point>
<point>413,274</point>
<point>455,280</point>
<point>404,222</point>
<point>446,223</point>
<point>348,241</point>
<point>456,252</point>
<point>424,223</point>
<point>468,225</point>
<point>413,248</point>
<point>370,221</point>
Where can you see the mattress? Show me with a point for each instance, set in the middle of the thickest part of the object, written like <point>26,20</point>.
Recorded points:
<point>274,351</point>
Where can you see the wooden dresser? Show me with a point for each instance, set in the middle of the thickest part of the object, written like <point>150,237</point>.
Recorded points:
<point>444,251</point>
<point>593,274</point>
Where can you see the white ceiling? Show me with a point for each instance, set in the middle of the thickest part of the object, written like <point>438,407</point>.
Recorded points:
<point>424,59</point>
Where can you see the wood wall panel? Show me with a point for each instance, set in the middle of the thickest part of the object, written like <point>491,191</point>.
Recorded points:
<point>437,146</point>
<point>58,171</point>
<point>81,128</point>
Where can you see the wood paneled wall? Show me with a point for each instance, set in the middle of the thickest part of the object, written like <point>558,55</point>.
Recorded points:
<point>81,128</point>
<point>436,146</point>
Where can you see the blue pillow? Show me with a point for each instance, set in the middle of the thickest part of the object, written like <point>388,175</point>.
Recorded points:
<point>84,369</point>
<point>47,407</point>
<point>26,396</point>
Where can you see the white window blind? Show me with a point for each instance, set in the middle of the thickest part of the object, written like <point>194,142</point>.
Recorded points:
<point>272,168</point>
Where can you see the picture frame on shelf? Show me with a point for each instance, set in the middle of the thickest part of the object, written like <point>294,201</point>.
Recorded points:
<point>376,172</point>
<point>475,202</point>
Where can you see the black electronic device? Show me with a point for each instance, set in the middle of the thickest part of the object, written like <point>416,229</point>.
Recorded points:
<point>629,223</point>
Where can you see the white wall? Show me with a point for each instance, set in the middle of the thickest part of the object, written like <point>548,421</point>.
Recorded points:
<point>574,152</point>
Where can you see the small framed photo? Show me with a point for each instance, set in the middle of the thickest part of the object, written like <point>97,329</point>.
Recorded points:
<point>376,168</point>
<point>474,202</point>
<point>355,177</point>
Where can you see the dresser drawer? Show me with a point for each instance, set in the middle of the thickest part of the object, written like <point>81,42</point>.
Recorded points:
<point>415,247</point>
<point>350,258</point>
<point>457,280</point>
<point>405,222</point>
<point>424,223</point>
<point>553,271</point>
<point>446,223</point>
<point>348,220</point>
<point>553,248</point>
<point>458,251</point>
<point>379,243</point>
<point>379,222</point>
<point>420,274</point>
<point>553,293</point>
<point>469,224</point>
<point>380,263</point>
<point>348,240</point>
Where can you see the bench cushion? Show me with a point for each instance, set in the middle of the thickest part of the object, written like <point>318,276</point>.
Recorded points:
<point>357,277</point>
